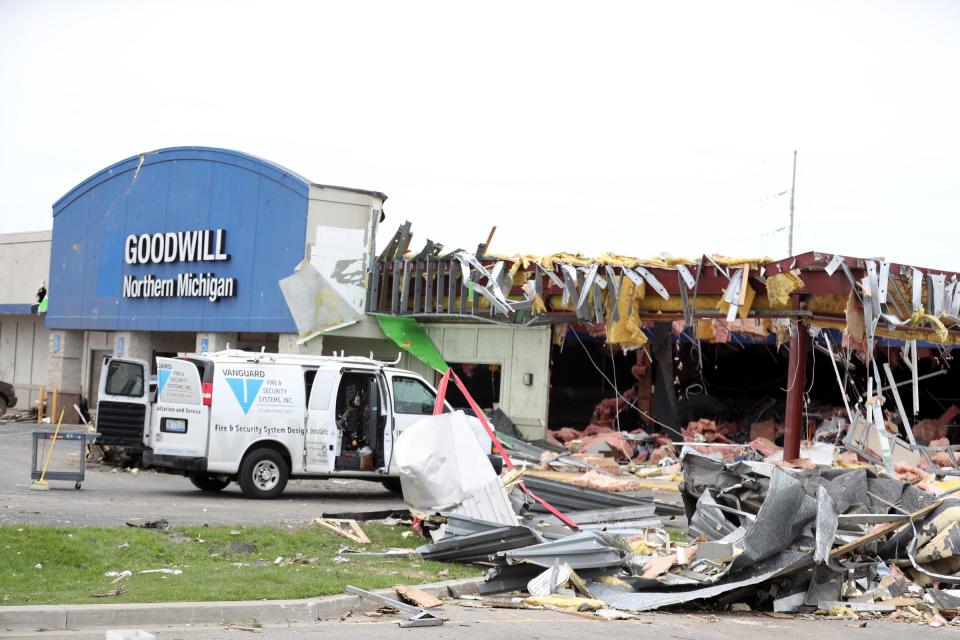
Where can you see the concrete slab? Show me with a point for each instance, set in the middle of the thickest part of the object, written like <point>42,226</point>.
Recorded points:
<point>94,616</point>
<point>33,618</point>
<point>83,616</point>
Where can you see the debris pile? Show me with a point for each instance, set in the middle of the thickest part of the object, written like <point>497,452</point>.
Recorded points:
<point>750,535</point>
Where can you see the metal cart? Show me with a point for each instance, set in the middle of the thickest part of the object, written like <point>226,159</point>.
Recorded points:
<point>67,461</point>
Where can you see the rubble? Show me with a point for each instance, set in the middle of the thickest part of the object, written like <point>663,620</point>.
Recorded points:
<point>569,497</point>
<point>827,540</point>
<point>346,528</point>
<point>420,617</point>
<point>443,468</point>
<point>861,524</point>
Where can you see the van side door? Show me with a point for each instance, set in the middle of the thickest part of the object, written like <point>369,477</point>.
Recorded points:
<point>123,402</point>
<point>321,443</point>
<point>180,424</point>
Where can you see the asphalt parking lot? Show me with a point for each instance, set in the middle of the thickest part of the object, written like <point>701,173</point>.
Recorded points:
<point>111,496</point>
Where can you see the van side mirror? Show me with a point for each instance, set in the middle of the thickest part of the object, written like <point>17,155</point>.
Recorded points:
<point>426,408</point>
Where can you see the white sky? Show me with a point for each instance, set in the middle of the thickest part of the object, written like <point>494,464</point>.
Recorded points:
<point>639,128</point>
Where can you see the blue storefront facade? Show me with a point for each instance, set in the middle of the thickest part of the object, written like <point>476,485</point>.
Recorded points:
<point>183,249</point>
<point>129,242</point>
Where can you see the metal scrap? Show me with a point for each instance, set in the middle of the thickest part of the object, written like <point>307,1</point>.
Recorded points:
<point>420,618</point>
<point>584,550</point>
<point>568,497</point>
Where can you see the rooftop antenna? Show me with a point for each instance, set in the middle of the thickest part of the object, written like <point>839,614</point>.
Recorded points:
<point>793,187</point>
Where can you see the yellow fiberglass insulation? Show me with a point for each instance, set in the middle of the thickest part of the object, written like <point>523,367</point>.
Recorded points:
<point>626,332</point>
<point>538,306</point>
<point>565,602</point>
<point>779,288</point>
<point>920,315</point>
<point>744,311</point>
<point>705,330</point>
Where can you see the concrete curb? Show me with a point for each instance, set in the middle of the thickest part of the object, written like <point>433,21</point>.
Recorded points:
<point>75,617</point>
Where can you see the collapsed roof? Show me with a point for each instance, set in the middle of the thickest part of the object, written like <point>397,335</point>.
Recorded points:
<point>868,298</point>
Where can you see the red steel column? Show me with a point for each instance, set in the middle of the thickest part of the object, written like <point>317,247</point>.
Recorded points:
<point>796,383</point>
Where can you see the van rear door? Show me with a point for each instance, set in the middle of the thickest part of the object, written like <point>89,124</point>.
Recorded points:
<point>321,440</point>
<point>123,402</point>
<point>180,418</point>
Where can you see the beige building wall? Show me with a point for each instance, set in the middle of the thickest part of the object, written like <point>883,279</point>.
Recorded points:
<point>523,354</point>
<point>28,256</point>
<point>24,340</point>
<point>341,228</point>
<point>23,356</point>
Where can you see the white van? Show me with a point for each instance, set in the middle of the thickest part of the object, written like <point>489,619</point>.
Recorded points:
<point>262,418</point>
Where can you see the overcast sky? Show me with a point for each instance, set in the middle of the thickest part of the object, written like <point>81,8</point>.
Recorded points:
<point>640,128</point>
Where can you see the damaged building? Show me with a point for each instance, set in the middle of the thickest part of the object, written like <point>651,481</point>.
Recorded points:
<point>194,249</point>
<point>185,250</point>
<point>727,351</point>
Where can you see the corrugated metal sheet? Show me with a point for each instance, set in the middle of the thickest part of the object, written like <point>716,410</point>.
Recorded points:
<point>568,497</point>
<point>585,550</point>
<point>479,546</point>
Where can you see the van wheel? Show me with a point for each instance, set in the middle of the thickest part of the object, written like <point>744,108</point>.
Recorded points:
<point>3,406</point>
<point>263,474</point>
<point>206,482</point>
<point>393,485</point>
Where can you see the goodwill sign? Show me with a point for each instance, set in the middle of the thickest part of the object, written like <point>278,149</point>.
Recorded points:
<point>198,245</point>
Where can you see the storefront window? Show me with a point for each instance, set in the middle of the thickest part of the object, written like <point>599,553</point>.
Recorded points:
<point>481,380</point>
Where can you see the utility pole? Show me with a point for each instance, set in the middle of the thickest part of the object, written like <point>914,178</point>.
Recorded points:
<point>793,187</point>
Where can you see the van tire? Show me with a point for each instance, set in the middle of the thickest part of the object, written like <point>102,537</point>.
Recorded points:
<point>209,483</point>
<point>263,474</point>
<point>393,485</point>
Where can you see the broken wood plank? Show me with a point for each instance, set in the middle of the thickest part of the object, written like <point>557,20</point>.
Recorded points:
<point>580,614</point>
<point>580,585</point>
<point>743,285</point>
<point>506,604</point>
<point>242,627</point>
<point>902,601</point>
<point>119,591</point>
<point>418,597</point>
<point>349,529</point>
<point>879,532</point>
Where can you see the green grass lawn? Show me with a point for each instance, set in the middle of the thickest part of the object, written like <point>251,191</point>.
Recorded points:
<point>74,561</point>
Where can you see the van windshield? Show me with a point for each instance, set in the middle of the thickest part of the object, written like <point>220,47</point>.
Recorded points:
<point>124,379</point>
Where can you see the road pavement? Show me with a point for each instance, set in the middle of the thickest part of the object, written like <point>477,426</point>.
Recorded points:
<point>469,624</point>
<point>110,496</point>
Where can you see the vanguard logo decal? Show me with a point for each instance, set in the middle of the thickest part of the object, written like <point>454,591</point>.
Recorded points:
<point>246,390</point>
<point>162,376</point>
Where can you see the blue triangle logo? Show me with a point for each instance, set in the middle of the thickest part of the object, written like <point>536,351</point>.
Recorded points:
<point>245,390</point>
<point>162,376</point>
